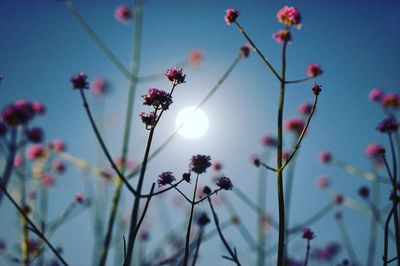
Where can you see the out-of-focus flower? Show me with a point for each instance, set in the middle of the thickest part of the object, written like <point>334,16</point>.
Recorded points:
<point>388,125</point>
<point>99,86</point>
<point>363,192</point>
<point>289,16</point>
<point>123,13</point>
<point>148,119</point>
<point>175,75</point>
<point>15,114</point>
<point>305,108</point>
<point>339,199</point>
<point>327,253</point>
<point>224,183</point>
<point>3,245</point>
<point>79,81</point>
<point>200,163</point>
<point>285,155</point>
<point>39,108</point>
<point>294,125</point>
<point>165,178</point>
<point>316,88</point>
<point>195,58</point>
<point>79,197</point>
<point>144,235</point>
<point>245,51</point>
<point>255,160</point>
<point>34,152</point>
<point>308,234</point>
<point>282,36</point>
<point>159,99</point>
<point>231,15</point>
<point>203,219</point>
<point>373,150</point>
<point>322,181</point>
<point>314,70</point>
<point>47,180</point>
<point>129,164</point>
<point>58,145</point>
<point>325,157</point>
<point>375,95</point>
<point>58,166</point>
<point>34,135</point>
<point>390,100</point>
<point>217,166</point>
<point>269,141</point>
<point>18,160</point>
<point>206,190</point>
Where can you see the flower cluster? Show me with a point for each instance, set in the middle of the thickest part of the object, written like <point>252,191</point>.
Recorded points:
<point>289,16</point>
<point>175,75</point>
<point>314,70</point>
<point>123,13</point>
<point>308,234</point>
<point>165,178</point>
<point>269,141</point>
<point>159,99</point>
<point>389,100</point>
<point>363,192</point>
<point>282,36</point>
<point>224,183</point>
<point>325,157</point>
<point>322,181</point>
<point>245,51</point>
<point>148,119</point>
<point>99,86</point>
<point>231,15</point>
<point>19,113</point>
<point>388,125</point>
<point>79,81</point>
<point>295,125</point>
<point>200,163</point>
<point>305,108</point>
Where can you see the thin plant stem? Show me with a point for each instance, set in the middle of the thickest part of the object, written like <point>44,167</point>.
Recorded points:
<point>261,219</point>
<point>254,47</point>
<point>24,226</point>
<point>386,242</point>
<point>196,252</point>
<point>298,80</point>
<point>375,194</point>
<point>316,217</point>
<point>12,150</point>
<point>183,194</point>
<point>307,252</point>
<point>232,253</point>
<point>32,225</point>
<point>268,167</point>
<point>189,227</point>
<point>352,170</point>
<point>346,241</point>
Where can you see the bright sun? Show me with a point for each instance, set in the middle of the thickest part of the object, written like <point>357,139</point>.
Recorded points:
<point>194,125</point>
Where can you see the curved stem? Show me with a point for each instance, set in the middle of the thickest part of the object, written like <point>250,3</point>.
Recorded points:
<point>12,150</point>
<point>298,80</point>
<point>324,211</point>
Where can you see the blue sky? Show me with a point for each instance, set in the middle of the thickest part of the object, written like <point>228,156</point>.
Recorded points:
<point>356,42</point>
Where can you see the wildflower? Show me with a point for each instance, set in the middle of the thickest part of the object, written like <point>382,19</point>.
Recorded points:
<point>308,234</point>
<point>390,100</point>
<point>186,177</point>
<point>195,58</point>
<point>203,219</point>
<point>282,36</point>
<point>175,75</point>
<point>388,125</point>
<point>325,157</point>
<point>305,108</point>
<point>148,119</point>
<point>99,86</point>
<point>245,51</point>
<point>200,163</point>
<point>373,150</point>
<point>206,190</point>
<point>58,166</point>
<point>157,98</point>
<point>35,151</point>
<point>285,155</point>
<point>123,13</point>
<point>375,95</point>
<point>34,135</point>
<point>295,125</point>
<point>235,219</point>
<point>165,178</point>
<point>224,183</point>
<point>316,88</point>
<point>217,166</point>
<point>38,108</point>
<point>144,235</point>
<point>363,192</point>
<point>268,140</point>
<point>289,16</point>
<point>255,160</point>
<point>18,160</point>
<point>47,180</point>
<point>14,115</point>
<point>314,70</point>
<point>58,145</point>
<point>79,197</point>
<point>231,15</point>
<point>322,181</point>
<point>79,81</point>
<point>339,199</point>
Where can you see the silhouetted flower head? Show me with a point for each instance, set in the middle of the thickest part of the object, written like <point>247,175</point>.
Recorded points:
<point>159,99</point>
<point>175,75</point>
<point>224,183</point>
<point>374,151</point>
<point>388,125</point>
<point>35,151</point>
<point>325,157</point>
<point>186,177</point>
<point>207,190</point>
<point>148,119</point>
<point>123,13</point>
<point>363,192</point>
<point>308,234</point>
<point>282,36</point>
<point>200,163</point>
<point>289,16</point>
<point>34,135</point>
<point>316,88</point>
<point>245,51</point>
<point>390,100</point>
<point>314,70</point>
<point>305,108</point>
<point>375,95</point>
<point>79,81</point>
<point>79,197</point>
<point>294,125</point>
<point>255,160</point>
<point>165,178</point>
<point>203,219</point>
<point>231,15</point>
<point>17,114</point>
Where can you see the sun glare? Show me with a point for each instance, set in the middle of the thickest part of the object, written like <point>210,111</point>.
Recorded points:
<point>194,124</point>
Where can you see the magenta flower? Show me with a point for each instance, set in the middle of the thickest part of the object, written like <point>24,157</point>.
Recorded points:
<point>375,95</point>
<point>148,119</point>
<point>175,75</point>
<point>165,178</point>
<point>314,70</point>
<point>269,141</point>
<point>79,81</point>
<point>289,16</point>
<point>325,157</point>
<point>35,151</point>
<point>245,51</point>
<point>217,166</point>
<point>195,57</point>
<point>58,166</point>
<point>34,135</point>
<point>99,86</point>
<point>18,160</point>
<point>305,108</point>
<point>123,13</point>
<point>79,197</point>
<point>58,145</point>
<point>308,234</point>
<point>294,125</point>
<point>282,36</point>
<point>322,181</point>
<point>47,180</point>
<point>388,125</point>
<point>200,163</point>
<point>373,150</point>
<point>390,100</point>
<point>144,236</point>
<point>158,99</point>
<point>39,108</point>
<point>231,15</point>
<point>14,115</point>
<point>363,192</point>
<point>224,183</point>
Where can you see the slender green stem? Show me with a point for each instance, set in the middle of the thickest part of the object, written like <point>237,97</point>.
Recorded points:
<point>298,80</point>
<point>261,219</point>
<point>386,243</point>
<point>307,252</point>
<point>346,241</point>
<point>352,170</point>
<point>189,227</point>
<point>375,194</point>
<point>12,150</point>
<point>24,226</point>
<point>196,252</point>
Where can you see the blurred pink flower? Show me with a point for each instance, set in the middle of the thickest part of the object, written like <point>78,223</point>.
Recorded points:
<point>282,36</point>
<point>305,108</point>
<point>294,125</point>
<point>79,197</point>
<point>47,180</point>
<point>322,181</point>
<point>325,157</point>
<point>231,15</point>
<point>123,13</point>
<point>373,150</point>
<point>58,145</point>
<point>18,160</point>
<point>195,58</point>
<point>99,86</point>
<point>375,95</point>
<point>34,152</point>
<point>217,166</point>
<point>314,70</point>
<point>39,108</point>
<point>79,81</point>
<point>175,75</point>
<point>58,166</point>
<point>390,100</point>
<point>289,16</point>
<point>268,140</point>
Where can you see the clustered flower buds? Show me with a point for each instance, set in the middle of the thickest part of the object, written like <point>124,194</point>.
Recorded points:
<point>159,99</point>
<point>269,141</point>
<point>175,75</point>
<point>305,108</point>
<point>165,178</point>
<point>200,163</point>
<point>308,234</point>
<point>245,51</point>
<point>148,119</point>
<point>224,183</point>
<point>231,15</point>
<point>282,36</point>
<point>79,81</point>
<point>295,125</point>
<point>325,157</point>
<point>289,16</point>
<point>388,125</point>
<point>123,13</point>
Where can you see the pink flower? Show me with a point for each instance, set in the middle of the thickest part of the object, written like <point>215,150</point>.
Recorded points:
<point>159,99</point>
<point>390,100</point>
<point>129,164</point>
<point>58,145</point>
<point>58,166</point>
<point>375,95</point>
<point>308,234</point>
<point>373,150</point>
<point>195,58</point>
<point>322,181</point>
<point>325,157</point>
<point>175,75</point>
<point>79,197</point>
<point>245,51</point>
<point>123,13</point>
<point>305,108</point>
<point>199,163</point>
<point>269,140</point>
<point>79,81</point>
<point>282,36</point>
<point>34,135</point>
<point>148,119</point>
<point>18,160</point>
<point>217,166</point>
<point>285,155</point>
<point>34,152</point>
<point>99,86</point>
<point>289,16</point>
<point>295,125</point>
<point>47,180</point>
<point>38,108</point>
<point>314,70</point>
<point>231,15</point>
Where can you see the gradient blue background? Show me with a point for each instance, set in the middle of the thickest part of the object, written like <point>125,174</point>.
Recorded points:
<point>356,42</point>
